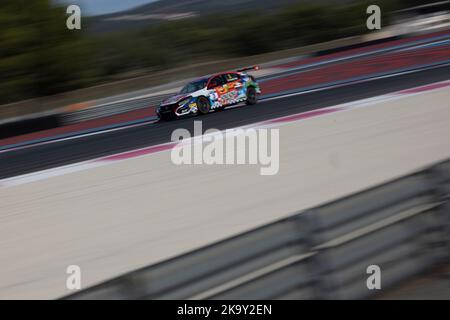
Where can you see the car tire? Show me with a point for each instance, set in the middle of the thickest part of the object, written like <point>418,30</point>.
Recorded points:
<point>203,106</point>
<point>252,96</point>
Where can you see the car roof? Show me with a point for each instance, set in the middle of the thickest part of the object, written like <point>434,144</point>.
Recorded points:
<point>212,75</point>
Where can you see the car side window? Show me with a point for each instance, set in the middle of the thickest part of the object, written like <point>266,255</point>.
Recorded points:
<point>216,81</point>
<point>231,77</point>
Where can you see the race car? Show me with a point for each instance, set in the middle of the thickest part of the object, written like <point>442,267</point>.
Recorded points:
<point>212,93</point>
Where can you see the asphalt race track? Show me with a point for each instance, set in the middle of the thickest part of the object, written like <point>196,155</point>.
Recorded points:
<point>34,158</point>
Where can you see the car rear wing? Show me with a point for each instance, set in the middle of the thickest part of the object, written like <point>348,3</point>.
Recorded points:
<point>249,69</point>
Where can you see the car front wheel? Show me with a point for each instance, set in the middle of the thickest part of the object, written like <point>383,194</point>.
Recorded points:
<point>203,105</point>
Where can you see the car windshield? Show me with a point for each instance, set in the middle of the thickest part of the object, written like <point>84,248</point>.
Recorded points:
<point>194,86</point>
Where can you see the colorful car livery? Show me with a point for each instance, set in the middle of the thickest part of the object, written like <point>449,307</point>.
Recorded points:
<point>211,93</point>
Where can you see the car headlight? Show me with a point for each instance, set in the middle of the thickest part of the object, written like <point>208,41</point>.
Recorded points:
<point>184,101</point>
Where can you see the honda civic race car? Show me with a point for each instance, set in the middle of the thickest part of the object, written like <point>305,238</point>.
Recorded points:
<point>211,93</point>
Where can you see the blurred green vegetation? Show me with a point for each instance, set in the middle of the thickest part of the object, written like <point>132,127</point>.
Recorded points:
<point>39,56</point>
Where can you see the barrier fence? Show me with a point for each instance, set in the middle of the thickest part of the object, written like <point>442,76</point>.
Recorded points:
<point>402,226</point>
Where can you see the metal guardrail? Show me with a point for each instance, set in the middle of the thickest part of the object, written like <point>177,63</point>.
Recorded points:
<point>402,226</point>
